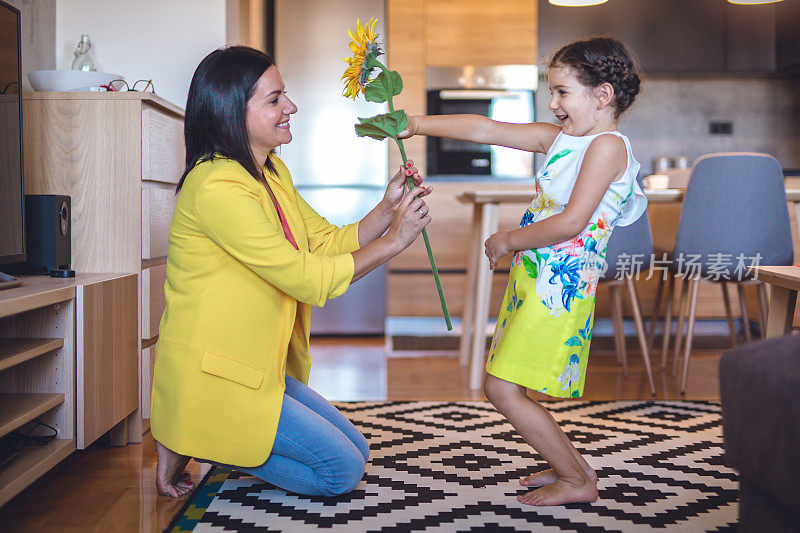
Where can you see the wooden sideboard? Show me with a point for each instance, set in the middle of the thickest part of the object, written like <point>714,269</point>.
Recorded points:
<point>118,156</point>
<point>69,359</point>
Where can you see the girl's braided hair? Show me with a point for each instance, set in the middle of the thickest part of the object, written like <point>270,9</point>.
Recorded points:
<point>600,60</point>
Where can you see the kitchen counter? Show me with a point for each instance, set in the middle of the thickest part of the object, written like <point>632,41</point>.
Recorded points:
<point>472,178</point>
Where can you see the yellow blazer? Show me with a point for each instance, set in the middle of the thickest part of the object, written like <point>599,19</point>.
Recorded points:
<point>237,310</point>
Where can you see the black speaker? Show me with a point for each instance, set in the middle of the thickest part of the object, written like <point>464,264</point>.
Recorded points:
<point>48,233</point>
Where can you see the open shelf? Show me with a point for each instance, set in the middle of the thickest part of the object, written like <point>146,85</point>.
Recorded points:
<point>16,351</point>
<point>31,463</point>
<point>18,408</point>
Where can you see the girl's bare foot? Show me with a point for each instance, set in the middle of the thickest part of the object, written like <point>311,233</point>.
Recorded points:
<point>560,492</point>
<point>539,479</point>
<point>169,471</point>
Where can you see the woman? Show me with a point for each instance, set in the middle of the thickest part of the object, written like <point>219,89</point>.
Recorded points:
<point>247,258</point>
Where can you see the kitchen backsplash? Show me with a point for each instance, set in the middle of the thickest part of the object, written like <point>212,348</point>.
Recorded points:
<point>672,116</point>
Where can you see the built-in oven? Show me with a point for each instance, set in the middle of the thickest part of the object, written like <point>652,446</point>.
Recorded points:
<point>503,93</point>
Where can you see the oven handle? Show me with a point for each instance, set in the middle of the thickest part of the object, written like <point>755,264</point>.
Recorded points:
<point>462,94</point>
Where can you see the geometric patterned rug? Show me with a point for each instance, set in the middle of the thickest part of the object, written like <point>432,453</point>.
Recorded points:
<point>455,466</point>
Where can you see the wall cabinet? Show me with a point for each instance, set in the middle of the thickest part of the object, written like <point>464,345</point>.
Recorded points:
<point>476,32</point>
<point>674,36</point>
<point>119,156</point>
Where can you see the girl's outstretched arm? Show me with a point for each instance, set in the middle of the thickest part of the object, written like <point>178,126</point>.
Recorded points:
<point>535,137</point>
<point>605,161</point>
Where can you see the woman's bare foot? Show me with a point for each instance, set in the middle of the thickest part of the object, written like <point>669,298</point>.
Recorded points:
<point>545,477</point>
<point>169,471</point>
<point>560,492</point>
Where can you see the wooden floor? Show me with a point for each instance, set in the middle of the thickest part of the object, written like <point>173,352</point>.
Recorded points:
<point>112,489</point>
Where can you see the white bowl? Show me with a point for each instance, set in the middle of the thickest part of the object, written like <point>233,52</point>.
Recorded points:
<point>69,80</point>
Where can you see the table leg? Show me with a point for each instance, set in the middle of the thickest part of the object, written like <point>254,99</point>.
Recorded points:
<point>483,290</point>
<point>781,311</point>
<point>468,316</point>
<point>797,215</point>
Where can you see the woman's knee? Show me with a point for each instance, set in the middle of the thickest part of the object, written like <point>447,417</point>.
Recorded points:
<point>346,472</point>
<point>363,446</point>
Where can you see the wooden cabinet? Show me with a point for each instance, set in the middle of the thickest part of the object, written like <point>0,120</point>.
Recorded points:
<point>787,45</point>
<point>107,348</point>
<point>476,32</point>
<point>119,157</point>
<point>68,359</point>
<point>674,36</point>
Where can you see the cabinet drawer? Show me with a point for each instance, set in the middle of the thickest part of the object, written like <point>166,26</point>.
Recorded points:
<point>163,151</point>
<point>152,299</point>
<point>158,203</point>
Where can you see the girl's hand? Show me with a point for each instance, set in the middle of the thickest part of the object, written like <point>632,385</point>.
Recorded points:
<point>496,247</point>
<point>398,186</point>
<point>409,219</point>
<point>411,129</point>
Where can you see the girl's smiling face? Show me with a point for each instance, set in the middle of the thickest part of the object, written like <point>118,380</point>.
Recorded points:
<point>579,109</point>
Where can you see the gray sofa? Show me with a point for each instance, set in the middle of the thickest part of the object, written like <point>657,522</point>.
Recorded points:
<point>760,393</point>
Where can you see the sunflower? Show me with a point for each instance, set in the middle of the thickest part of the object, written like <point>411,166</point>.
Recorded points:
<point>365,48</point>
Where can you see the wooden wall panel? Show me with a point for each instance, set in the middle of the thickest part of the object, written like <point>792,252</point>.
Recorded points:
<point>405,45</point>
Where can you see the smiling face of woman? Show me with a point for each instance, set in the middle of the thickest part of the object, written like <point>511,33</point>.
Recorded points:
<point>268,112</point>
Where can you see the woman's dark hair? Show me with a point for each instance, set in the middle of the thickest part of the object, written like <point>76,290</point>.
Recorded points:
<point>217,106</point>
<point>600,60</point>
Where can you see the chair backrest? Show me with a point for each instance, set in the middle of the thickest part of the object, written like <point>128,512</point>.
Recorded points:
<point>735,206</point>
<point>630,249</point>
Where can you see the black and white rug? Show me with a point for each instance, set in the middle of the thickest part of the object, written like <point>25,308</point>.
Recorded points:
<point>455,466</point>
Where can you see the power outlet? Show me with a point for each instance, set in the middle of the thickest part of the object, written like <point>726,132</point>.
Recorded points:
<point>720,128</point>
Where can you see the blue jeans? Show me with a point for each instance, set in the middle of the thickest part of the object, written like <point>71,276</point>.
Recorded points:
<point>317,451</point>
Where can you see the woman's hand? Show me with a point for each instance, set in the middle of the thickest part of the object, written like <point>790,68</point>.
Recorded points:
<point>409,219</point>
<point>496,247</point>
<point>411,129</point>
<point>398,185</point>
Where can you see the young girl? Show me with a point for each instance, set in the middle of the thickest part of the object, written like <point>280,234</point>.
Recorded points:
<point>585,188</point>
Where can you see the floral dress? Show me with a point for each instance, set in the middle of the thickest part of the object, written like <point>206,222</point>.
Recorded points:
<point>545,324</point>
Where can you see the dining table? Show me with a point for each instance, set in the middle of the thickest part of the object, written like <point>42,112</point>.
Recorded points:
<point>785,282</point>
<point>485,213</point>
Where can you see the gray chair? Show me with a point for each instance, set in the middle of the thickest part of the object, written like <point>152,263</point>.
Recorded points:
<point>629,251</point>
<point>734,214</point>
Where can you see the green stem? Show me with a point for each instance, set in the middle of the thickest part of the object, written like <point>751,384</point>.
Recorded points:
<point>425,238</point>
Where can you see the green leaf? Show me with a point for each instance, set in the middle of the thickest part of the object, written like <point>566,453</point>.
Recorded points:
<point>383,87</point>
<point>559,155</point>
<point>519,303</point>
<point>530,267</point>
<point>382,126</point>
<point>573,341</point>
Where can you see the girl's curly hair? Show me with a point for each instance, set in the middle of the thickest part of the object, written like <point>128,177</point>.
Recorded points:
<point>599,60</point>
